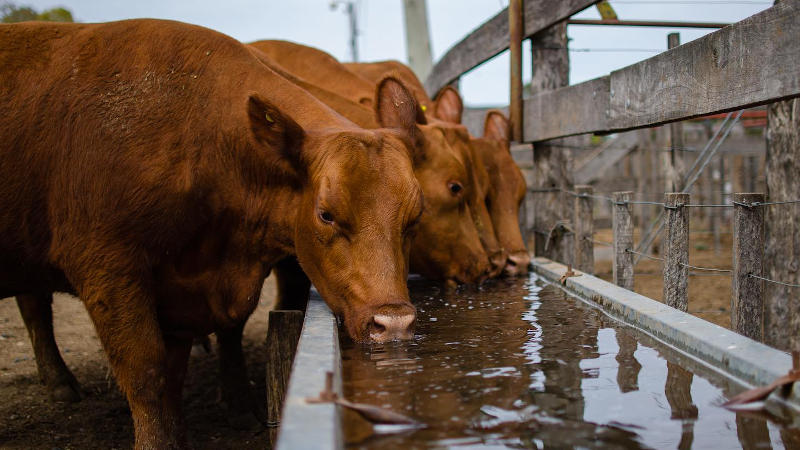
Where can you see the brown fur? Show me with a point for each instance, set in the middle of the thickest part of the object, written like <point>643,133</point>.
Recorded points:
<point>506,187</point>
<point>159,170</point>
<point>455,233</point>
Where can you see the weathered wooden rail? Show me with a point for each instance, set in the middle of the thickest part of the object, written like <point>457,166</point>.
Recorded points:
<point>719,72</point>
<point>491,38</point>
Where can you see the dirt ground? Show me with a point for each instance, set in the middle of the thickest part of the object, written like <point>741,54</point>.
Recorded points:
<point>709,292</point>
<point>29,420</point>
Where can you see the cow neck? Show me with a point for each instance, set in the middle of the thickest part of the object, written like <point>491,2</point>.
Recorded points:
<point>286,204</point>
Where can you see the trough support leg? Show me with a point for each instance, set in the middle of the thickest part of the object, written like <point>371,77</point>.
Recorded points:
<point>282,337</point>
<point>676,251</point>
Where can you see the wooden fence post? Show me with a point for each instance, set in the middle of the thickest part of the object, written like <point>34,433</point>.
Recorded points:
<point>584,229</point>
<point>747,299</point>
<point>676,152</point>
<point>622,225</point>
<point>782,165</point>
<point>643,181</point>
<point>515,32</point>
<point>282,337</point>
<point>552,160</point>
<point>676,251</point>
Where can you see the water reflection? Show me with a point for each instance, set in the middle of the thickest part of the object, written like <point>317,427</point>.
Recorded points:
<point>520,364</point>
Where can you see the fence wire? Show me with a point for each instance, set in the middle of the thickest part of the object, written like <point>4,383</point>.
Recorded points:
<point>662,204</point>
<point>782,283</point>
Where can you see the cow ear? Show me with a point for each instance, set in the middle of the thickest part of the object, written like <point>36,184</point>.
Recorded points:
<point>448,105</point>
<point>496,126</point>
<point>396,107</point>
<point>276,130</point>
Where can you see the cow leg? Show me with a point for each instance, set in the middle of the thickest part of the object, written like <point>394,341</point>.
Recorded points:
<point>37,312</point>
<point>293,285</point>
<point>242,411</point>
<point>178,350</point>
<point>124,315</point>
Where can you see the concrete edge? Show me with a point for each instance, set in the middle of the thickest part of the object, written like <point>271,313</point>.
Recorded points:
<point>313,426</point>
<point>736,356</point>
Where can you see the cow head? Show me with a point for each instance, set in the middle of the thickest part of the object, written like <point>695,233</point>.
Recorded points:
<point>358,213</point>
<point>507,190</point>
<point>448,242</point>
<point>447,112</point>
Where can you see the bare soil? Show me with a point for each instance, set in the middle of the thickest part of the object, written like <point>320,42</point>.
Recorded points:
<point>30,420</point>
<point>709,292</point>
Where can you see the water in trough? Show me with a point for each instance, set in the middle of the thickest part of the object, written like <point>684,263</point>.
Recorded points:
<point>520,364</point>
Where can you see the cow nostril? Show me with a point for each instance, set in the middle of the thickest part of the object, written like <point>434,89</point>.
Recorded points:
<point>377,327</point>
<point>387,327</point>
<point>511,262</point>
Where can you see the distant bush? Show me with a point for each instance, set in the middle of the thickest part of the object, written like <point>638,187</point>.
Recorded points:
<point>10,13</point>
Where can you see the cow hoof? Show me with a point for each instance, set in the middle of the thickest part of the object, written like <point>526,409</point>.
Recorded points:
<point>246,421</point>
<point>65,393</point>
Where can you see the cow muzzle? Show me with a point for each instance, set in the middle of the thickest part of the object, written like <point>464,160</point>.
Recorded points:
<point>497,262</point>
<point>392,323</point>
<point>518,263</point>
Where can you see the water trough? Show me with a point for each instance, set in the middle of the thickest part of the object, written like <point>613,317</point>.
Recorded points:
<point>739,359</point>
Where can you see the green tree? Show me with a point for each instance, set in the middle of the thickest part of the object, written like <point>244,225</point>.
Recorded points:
<point>10,13</point>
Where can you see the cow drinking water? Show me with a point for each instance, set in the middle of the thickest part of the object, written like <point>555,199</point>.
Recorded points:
<point>159,171</point>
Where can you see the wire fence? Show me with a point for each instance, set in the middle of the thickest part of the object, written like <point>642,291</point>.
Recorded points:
<point>709,270</point>
<point>662,204</point>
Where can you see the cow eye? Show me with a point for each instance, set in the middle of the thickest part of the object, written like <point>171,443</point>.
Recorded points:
<point>326,217</point>
<point>455,187</point>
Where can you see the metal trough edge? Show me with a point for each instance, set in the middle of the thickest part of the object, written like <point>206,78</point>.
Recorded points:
<point>313,426</point>
<point>741,358</point>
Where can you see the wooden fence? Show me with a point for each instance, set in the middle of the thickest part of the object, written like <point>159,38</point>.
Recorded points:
<point>749,63</point>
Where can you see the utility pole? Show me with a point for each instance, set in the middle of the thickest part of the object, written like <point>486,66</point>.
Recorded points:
<point>418,44</point>
<point>352,13</point>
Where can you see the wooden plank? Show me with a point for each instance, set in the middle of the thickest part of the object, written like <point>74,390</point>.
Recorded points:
<point>747,293</point>
<point>571,110</point>
<point>491,38</point>
<point>282,336</point>
<point>743,65</point>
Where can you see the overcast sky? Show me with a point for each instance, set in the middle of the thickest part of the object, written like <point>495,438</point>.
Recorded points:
<point>314,23</point>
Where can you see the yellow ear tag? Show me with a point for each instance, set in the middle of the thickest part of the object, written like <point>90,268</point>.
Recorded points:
<point>424,108</point>
<point>269,119</point>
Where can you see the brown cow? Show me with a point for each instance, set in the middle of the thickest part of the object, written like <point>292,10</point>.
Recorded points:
<point>507,184</point>
<point>440,250</point>
<point>159,171</point>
